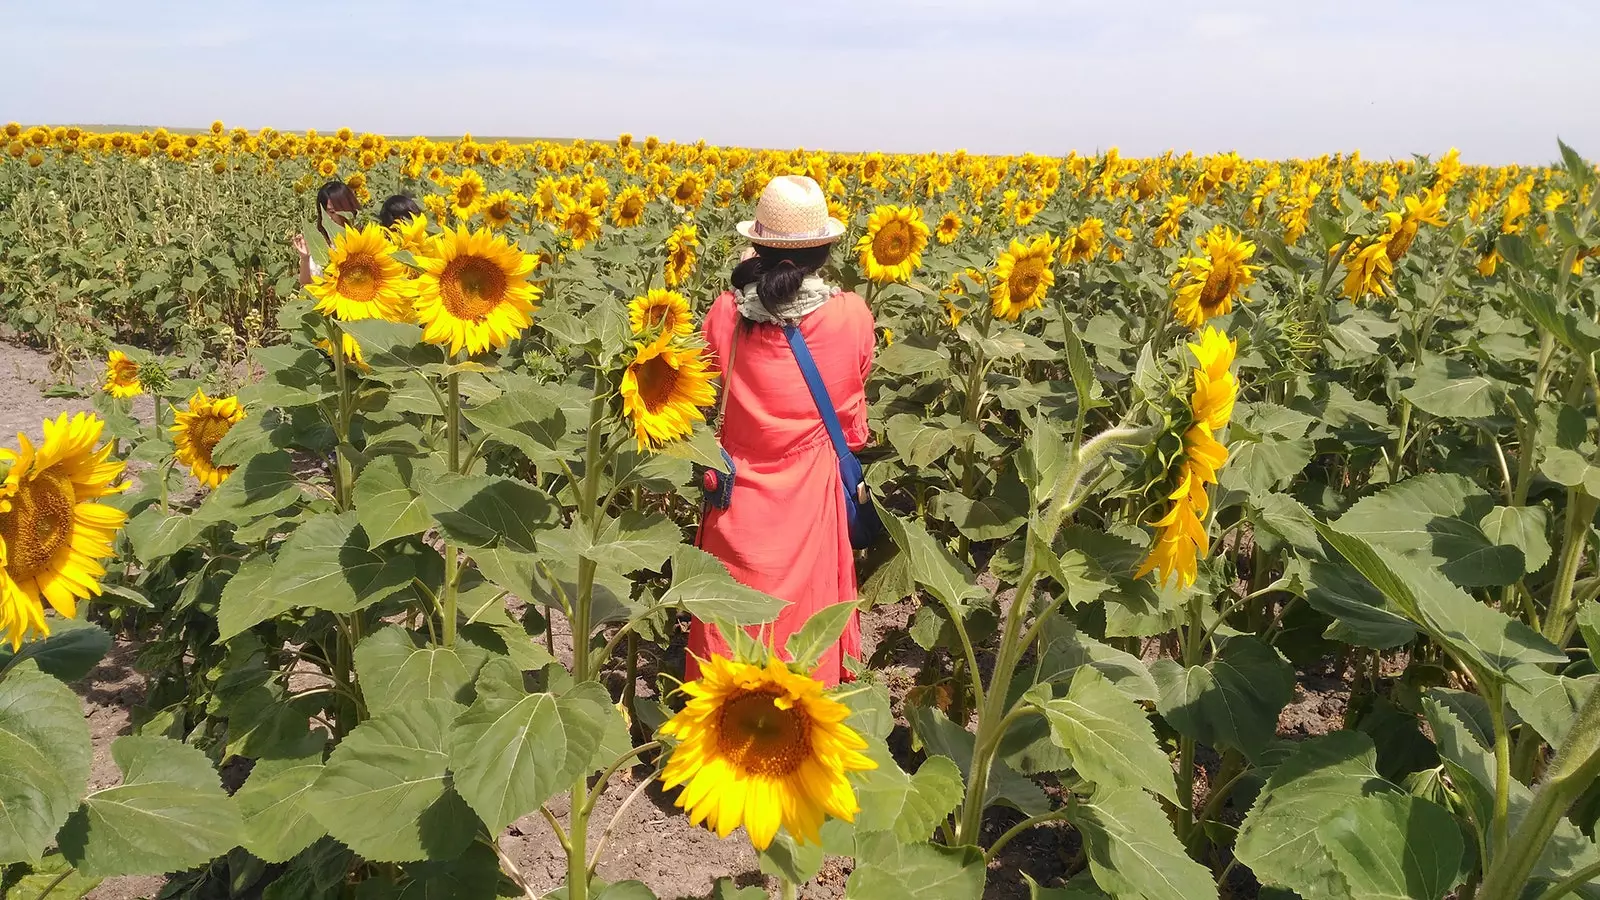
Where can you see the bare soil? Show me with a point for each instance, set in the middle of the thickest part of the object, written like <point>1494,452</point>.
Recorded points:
<point>648,840</point>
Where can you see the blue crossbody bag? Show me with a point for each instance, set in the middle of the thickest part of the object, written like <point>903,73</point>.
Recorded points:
<point>865,526</point>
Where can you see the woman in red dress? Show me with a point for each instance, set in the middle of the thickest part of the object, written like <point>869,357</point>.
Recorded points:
<point>784,531</point>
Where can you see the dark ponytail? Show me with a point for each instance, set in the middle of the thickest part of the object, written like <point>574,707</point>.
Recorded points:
<point>777,272</point>
<point>335,194</point>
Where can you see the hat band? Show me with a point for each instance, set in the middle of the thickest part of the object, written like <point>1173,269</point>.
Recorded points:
<point>763,231</point>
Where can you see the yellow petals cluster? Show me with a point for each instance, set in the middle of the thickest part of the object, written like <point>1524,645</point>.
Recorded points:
<point>122,376</point>
<point>682,245</point>
<point>1208,282</point>
<point>892,247</point>
<point>1022,276</point>
<point>474,293</point>
<point>763,747</point>
<point>1181,538</point>
<point>363,280</point>
<point>198,428</point>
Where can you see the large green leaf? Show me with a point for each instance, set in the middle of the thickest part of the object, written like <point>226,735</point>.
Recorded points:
<point>394,671</point>
<point>44,760</point>
<point>385,791</point>
<point>932,566</point>
<point>1434,518</point>
<point>1547,702</point>
<point>264,484</point>
<point>53,878</point>
<point>1522,527</point>
<point>1450,389</point>
<point>818,634</point>
<point>702,585</point>
<point>385,343</point>
<point>328,564</point>
<point>387,505</point>
<point>1132,850</point>
<point>1360,613</point>
<point>634,541</point>
<point>1279,840</point>
<point>943,737</point>
<point>920,442</point>
<point>245,600</point>
<point>886,868</point>
<point>1396,847</point>
<point>1233,701</point>
<point>277,825</point>
<point>514,750</point>
<point>1109,736</point>
<point>1071,892</point>
<point>155,534</point>
<point>490,510</point>
<point>169,813</point>
<point>526,416</point>
<point>1066,649</point>
<point>474,875</point>
<point>911,806</point>
<point>72,650</point>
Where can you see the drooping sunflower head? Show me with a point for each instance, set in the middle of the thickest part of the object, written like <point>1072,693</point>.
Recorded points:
<point>666,311</point>
<point>52,531</point>
<point>1083,243</point>
<point>681,257</point>
<point>763,747</point>
<point>474,292</point>
<point>579,220</point>
<point>122,376</point>
<point>1215,386</point>
<point>628,210</point>
<point>1022,276</point>
<point>949,227</point>
<point>363,280</point>
<point>500,207</point>
<point>663,389</point>
<point>411,234</point>
<point>197,430</point>
<point>1209,282</point>
<point>1368,268</point>
<point>892,247</point>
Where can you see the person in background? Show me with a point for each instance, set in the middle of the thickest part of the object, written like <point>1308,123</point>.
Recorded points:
<point>398,208</point>
<point>785,531</point>
<point>336,201</point>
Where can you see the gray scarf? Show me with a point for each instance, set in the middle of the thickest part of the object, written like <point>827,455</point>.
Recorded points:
<point>812,294</point>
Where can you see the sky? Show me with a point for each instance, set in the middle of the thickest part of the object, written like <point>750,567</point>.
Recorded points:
<point>1268,78</point>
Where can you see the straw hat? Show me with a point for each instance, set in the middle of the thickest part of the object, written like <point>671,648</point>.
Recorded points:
<point>792,212</point>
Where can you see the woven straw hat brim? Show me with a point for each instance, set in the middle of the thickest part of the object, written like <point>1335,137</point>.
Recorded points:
<point>747,231</point>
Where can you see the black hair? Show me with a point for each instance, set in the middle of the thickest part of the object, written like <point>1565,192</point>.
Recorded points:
<point>398,208</point>
<point>337,196</point>
<point>777,271</point>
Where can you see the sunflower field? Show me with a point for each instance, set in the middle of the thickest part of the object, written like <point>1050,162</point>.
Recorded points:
<point>408,554</point>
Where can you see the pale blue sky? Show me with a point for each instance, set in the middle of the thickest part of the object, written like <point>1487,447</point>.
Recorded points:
<point>1498,80</point>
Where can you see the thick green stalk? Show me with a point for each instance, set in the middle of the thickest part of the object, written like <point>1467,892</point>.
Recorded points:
<point>1562,610</point>
<point>343,473</point>
<point>451,552</point>
<point>1500,827</point>
<point>1193,644</point>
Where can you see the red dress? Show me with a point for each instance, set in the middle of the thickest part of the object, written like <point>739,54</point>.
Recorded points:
<point>784,532</point>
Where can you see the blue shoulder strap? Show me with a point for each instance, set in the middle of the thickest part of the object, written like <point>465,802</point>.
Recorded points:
<point>819,391</point>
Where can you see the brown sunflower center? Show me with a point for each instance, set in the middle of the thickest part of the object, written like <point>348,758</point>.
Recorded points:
<point>39,524</point>
<point>892,244</point>
<point>471,287</point>
<point>686,190</point>
<point>466,194</point>
<point>656,314</point>
<point>758,738</point>
<point>1219,284</point>
<point>124,371</point>
<point>1025,278</point>
<point>205,433</point>
<point>658,382</point>
<point>1401,242</point>
<point>498,212</point>
<point>632,207</point>
<point>359,278</point>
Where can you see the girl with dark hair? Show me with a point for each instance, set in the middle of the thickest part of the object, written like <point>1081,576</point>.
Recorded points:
<point>784,530</point>
<point>398,208</point>
<point>336,201</point>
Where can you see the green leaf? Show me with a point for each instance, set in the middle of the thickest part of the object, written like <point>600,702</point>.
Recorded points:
<point>169,813</point>
<point>392,671</point>
<point>156,535</point>
<point>902,358</point>
<point>514,750</point>
<point>44,760</point>
<point>1066,649</point>
<point>1522,527</point>
<point>474,875</point>
<point>945,738</point>
<point>1072,892</point>
<point>932,566</point>
<point>1233,701</point>
<point>245,599</point>
<point>277,825</point>
<point>911,806</point>
<point>386,504</point>
<point>1361,615</point>
<point>264,484</point>
<point>490,510</point>
<point>1434,518</point>
<point>327,564</point>
<point>71,652</point>
<point>886,868</point>
<point>385,343</point>
<point>1109,736</point>
<point>982,519</point>
<point>702,585</point>
<point>1279,839</point>
<point>1395,847</point>
<point>1449,389</point>
<point>55,879</point>
<point>1282,520</point>
<point>1132,850</point>
<point>526,416</point>
<point>635,540</point>
<point>919,441</point>
<point>1578,169</point>
<point>812,639</point>
<point>625,890</point>
<point>790,860</point>
<point>1577,333</point>
<point>1548,703</point>
<point>1589,624</point>
<point>385,791</point>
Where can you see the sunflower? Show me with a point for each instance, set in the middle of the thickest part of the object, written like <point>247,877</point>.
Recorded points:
<point>1207,283</point>
<point>663,389</point>
<point>1022,275</point>
<point>499,208</point>
<point>465,192</point>
<point>666,310</point>
<point>628,210</point>
<point>580,221</point>
<point>1369,268</point>
<point>688,190</point>
<point>474,293</point>
<point>198,428</point>
<point>327,168</point>
<point>122,376</point>
<point>681,246</point>
<point>763,747</point>
<point>363,280</point>
<point>411,234</point>
<point>352,352</point>
<point>1215,386</point>
<point>598,193</point>
<point>1083,243</point>
<point>1171,221</point>
<point>1403,227</point>
<point>52,532</point>
<point>892,247</point>
<point>949,228</point>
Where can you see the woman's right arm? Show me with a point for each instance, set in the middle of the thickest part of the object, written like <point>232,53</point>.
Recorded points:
<point>299,244</point>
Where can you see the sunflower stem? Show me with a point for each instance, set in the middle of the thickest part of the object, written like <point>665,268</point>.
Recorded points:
<point>343,473</point>
<point>447,599</point>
